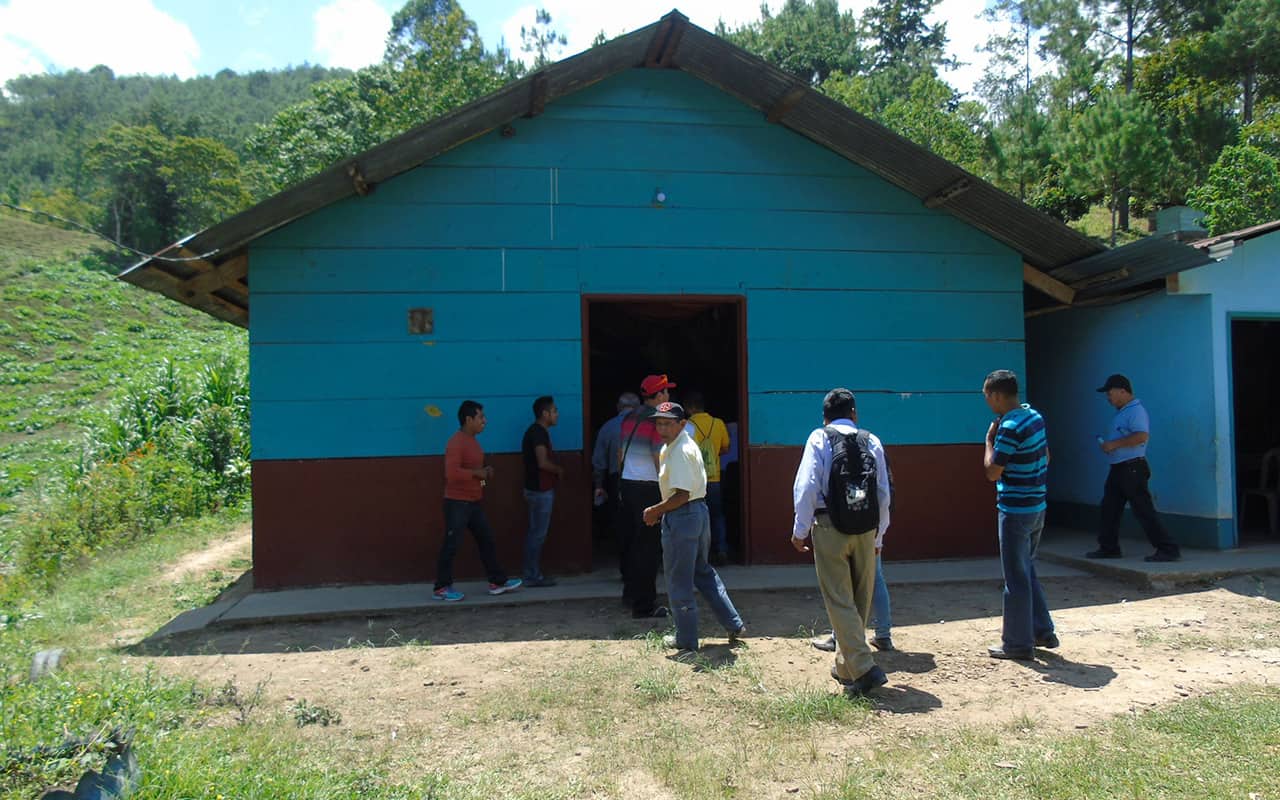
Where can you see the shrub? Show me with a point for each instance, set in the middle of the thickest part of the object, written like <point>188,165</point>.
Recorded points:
<point>113,504</point>
<point>172,448</point>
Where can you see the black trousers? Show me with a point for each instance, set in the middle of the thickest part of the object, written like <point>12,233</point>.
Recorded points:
<point>1127,483</point>
<point>612,520</point>
<point>459,516</point>
<point>642,545</point>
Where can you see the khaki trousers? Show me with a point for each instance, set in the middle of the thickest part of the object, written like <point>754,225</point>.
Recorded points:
<point>846,567</point>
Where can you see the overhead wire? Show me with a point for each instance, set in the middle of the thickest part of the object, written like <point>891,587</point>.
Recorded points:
<point>108,239</point>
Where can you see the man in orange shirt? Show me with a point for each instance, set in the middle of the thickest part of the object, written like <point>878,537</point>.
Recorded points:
<point>465,475</point>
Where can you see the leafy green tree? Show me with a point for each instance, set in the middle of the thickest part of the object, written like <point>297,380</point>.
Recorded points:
<point>1197,112</point>
<point>1246,50</point>
<point>154,188</point>
<point>1243,189</point>
<point>1114,149</point>
<point>542,41</point>
<point>928,114</point>
<point>902,37</point>
<point>902,47</point>
<point>434,62</point>
<point>139,209</point>
<point>1264,132</point>
<point>1019,147</point>
<point>48,122</point>
<point>811,39</point>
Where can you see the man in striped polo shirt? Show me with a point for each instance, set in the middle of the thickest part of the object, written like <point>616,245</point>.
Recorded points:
<point>1017,459</point>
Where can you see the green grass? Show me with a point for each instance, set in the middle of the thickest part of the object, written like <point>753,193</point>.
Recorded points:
<point>71,337</point>
<point>1097,223</point>
<point>197,741</point>
<point>1225,745</point>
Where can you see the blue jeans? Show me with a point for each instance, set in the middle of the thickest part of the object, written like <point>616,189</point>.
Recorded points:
<point>715,507</point>
<point>881,614</point>
<point>686,537</point>
<point>1026,613</point>
<point>539,504</point>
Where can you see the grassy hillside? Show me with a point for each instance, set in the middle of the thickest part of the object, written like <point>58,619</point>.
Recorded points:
<point>71,337</point>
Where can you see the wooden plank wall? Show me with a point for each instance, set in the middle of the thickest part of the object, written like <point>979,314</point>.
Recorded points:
<point>848,280</point>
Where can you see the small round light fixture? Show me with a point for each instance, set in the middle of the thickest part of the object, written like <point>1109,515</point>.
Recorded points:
<point>659,197</point>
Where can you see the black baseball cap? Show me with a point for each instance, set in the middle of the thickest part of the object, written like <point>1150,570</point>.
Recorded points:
<point>669,411</point>
<point>1116,381</point>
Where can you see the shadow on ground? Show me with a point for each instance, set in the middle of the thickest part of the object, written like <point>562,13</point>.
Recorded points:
<point>778,614</point>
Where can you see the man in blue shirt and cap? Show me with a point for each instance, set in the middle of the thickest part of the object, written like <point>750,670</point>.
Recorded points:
<point>1125,446</point>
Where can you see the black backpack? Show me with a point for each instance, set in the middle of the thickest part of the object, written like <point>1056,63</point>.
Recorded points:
<point>853,504</point>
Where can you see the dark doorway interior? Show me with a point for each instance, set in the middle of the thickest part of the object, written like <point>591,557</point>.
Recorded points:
<point>698,343</point>
<point>1255,371</point>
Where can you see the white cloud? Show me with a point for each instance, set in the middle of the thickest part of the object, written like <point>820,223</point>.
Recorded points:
<point>581,20</point>
<point>350,33</point>
<point>129,36</point>
<point>253,16</point>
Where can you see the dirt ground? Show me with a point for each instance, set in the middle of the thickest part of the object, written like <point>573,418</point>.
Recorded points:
<point>567,679</point>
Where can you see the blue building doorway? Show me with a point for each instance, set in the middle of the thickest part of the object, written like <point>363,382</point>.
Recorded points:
<point>700,341</point>
<point>1255,396</point>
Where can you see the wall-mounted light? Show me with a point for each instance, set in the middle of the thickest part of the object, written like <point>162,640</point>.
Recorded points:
<point>659,197</point>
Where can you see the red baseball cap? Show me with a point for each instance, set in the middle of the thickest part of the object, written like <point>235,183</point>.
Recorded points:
<point>655,383</point>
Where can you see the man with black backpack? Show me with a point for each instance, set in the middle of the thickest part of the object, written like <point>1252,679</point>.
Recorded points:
<point>842,501</point>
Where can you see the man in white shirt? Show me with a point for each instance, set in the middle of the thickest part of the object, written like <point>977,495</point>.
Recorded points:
<point>846,564</point>
<point>686,532</point>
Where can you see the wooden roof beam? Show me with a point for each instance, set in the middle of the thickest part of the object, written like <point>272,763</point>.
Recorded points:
<point>1098,280</point>
<point>1049,285</point>
<point>788,102</point>
<point>666,40</point>
<point>537,95</point>
<point>217,276</point>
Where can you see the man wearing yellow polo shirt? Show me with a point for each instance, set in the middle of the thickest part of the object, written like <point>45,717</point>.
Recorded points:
<point>712,438</point>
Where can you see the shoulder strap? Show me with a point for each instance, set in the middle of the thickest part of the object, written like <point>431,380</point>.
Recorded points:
<point>698,428</point>
<point>622,459</point>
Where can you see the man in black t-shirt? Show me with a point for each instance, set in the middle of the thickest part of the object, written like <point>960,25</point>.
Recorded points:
<point>540,477</point>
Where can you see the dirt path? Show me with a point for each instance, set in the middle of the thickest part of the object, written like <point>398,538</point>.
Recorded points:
<point>1122,649</point>
<point>238,545</point>
<point>578,683</point>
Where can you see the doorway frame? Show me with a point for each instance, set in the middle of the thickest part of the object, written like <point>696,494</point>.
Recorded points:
<point>1230,358</point>
<point>740,302</point>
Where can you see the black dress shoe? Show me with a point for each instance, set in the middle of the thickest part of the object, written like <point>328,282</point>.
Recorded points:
<point>1159,557</point>
<point>1011,653</point>
<point>869,680</point>
<point>1100,553</point>
<point>1048,642</point>
<point>884,643</point>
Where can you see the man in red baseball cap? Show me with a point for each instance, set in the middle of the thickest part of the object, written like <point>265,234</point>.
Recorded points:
<point>641,544</point>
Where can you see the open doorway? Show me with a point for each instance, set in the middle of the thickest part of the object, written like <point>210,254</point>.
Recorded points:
<point>1255,392</point>
<point>700,343</point>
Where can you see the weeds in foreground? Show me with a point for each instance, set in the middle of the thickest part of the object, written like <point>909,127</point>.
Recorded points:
<point>229,696</point>
<point>305,713</point>
<point>808,706</point>
<point>658,686</point>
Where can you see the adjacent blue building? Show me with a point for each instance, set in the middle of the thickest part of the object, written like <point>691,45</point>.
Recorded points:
<point>1203,352</point>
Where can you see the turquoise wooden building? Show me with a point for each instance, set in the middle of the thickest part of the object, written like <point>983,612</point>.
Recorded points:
<point>665,202</point>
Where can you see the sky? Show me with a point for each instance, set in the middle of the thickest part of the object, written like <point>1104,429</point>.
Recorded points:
<point>199,37</point>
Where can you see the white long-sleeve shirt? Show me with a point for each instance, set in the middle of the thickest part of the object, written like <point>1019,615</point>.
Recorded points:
<point>810,490</point>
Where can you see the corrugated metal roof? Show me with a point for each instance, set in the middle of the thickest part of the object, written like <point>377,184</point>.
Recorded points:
<point>216,283</point>
<point>1132,265</point>
<point>1242,235</point>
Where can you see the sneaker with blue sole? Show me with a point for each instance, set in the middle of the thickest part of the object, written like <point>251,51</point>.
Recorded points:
<point>448,594</point>
<point>502,588</point>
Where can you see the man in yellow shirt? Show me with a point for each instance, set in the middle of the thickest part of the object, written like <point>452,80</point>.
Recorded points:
<point>712,438</point>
